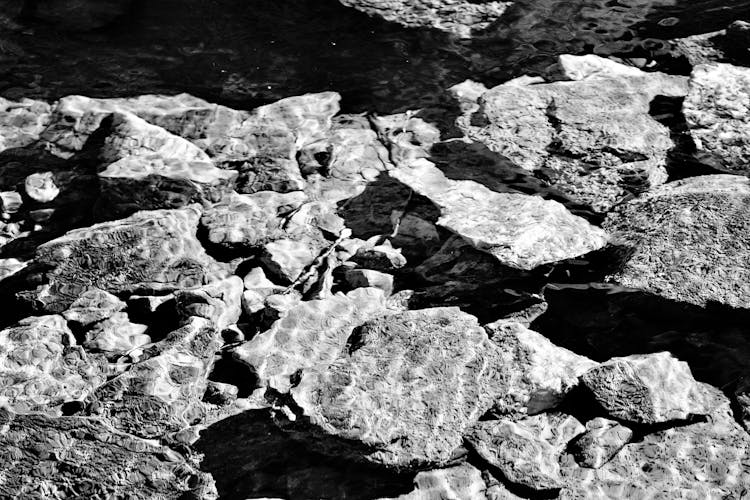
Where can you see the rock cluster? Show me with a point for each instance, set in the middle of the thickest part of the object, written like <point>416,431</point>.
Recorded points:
<point>197,295</point>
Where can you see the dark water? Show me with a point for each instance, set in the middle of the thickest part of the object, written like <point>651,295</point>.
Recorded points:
<point>247,52</point>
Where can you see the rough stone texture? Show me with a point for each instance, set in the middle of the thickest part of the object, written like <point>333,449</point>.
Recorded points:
<point>387,391</point>
<point>526,451</point>
<point>116,336</point>
<point>381,257</point>
<point>689,239</point>
<point>257,288</point>
<point>697,461</point>
<point>463,481</point>
<point>357,278</point>
<point>309,337</point>
<point>592,138</point>
<point>519,230</point>
<point>601,441</point>
<point>74,457</point>
<point>91,306</point>
<point>249,221</point>
<point>541,373</point>
<point>138,183</point>
<point>22,122</point>
<point>716,110</point>
<point>459,17</point>
<point>219,302</point>
<point>41,187</point>
<point>742,399</point>
<point>264,173</point>
<point>162,393</point>
<point>154,250</point>
<point>286,259</point>
<point>646,388</point>
<point>41,367</point>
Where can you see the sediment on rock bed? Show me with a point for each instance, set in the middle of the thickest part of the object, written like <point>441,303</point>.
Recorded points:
<point>291,301</point>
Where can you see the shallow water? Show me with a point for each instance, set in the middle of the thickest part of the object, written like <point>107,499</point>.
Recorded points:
<point>245,53</point>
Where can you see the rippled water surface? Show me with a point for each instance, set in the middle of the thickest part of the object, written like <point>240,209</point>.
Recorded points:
<point>244,53</point>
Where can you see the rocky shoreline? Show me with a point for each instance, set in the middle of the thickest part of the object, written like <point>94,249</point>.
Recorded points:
<point>294,302</point>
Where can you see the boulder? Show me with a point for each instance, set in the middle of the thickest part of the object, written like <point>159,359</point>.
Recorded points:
<point>688,241</point>
<point>308,337</point>
<point>593,137</point>
<point>357,278</point>
<point>519,230</point>
<point>601,441</point>
<point>462,18</point>
<point>716,110</point>
<point>22,122</point>
<point>286,259</point>
<point>148,251</point>
<point>42,368</point>
<point>526,451</point>
<point>384,397</point>
<point>77,457</point>
<point>116,336</point>
<point>92,306</point>
<point>40,187</point>
<point>646,389</point>
<point>219,302</point>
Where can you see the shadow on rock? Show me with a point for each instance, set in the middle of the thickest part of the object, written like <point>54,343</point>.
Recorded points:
<point>250,457</point>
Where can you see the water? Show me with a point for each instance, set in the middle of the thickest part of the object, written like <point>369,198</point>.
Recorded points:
<point>246,53</point>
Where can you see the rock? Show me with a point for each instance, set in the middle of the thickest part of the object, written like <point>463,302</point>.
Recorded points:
<point>308,337</point>
<point>358,278</point>
<point>116,336</point>
<point>138,183</point>
<point>408,137</point>
<point>128,135</point>
<point>526,451</point>
<point>156,251</point>
<point>601,441</point>
<point>689,241</point>
<point>381,257</point>
<point>742,400</point>
<point>243,222</point>
<point>715,114</point>
<point>646,389</point>
<point>462,18</point>
<point>9,267</point>
<point>384,397</point>
<point>257,289</point>
<point>286,259</point>
<point>519,230</point>
<point>162,393</point>
<point>700,460</point>
<point>542,373</point>
<point>69,457</point>
<point>11,202</point>
<point>22,122</point>
<point>218,302</point>
<point>592,138</point>
<point>264,173</point>
<point>462,481</point>
<point>41,367</point>
<point>80,14</point>
<point>92,306</point>
<point>220,394</point>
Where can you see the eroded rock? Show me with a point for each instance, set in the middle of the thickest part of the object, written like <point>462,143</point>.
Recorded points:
<point>601,441</point>
<point>22,122</point>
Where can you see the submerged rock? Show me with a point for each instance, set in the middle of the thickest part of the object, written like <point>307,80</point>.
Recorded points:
<point>716,110</point>
<point>689,241</point>
<point>384,396</point>
<point>646,389</point>
<point>519,230</point>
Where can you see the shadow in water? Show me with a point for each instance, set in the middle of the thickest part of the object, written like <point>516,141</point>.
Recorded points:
<point>250,457</point>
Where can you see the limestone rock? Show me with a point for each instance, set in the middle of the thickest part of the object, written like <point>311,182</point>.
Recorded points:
<point>163,392</point>
<point>116,335</point>
<point>462,481</point>
<point>309,337</point>
<point>592,138</point>
<point>75,457</point>
<point>646,389</point>
<point>22,122</point>
<point>41,187</point>
<point>92,306</point>
<point>601,441</point>
<point>385,395</point>
<point>689,241</point>
<point>716,110</point>
<point>459,17</point>
<point>149,251</point>
<point>41,367</point>
<point>358,278</point>
<point>249,221</point>
<point>519,230</point>
<point>137,183</point>
<point>542,373</point>
<point>527,451</point>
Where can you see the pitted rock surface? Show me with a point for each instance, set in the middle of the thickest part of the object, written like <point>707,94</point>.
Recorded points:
<point>689,240</point>
<point>92,306</point>
<point>154,250</point>
<point>386,391</point>
<point>116,336</point>
<point>646,389</point>
<point>601,441</point>
<point>519,230</point>
<point>309,337</point>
